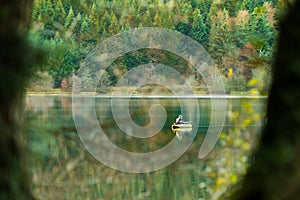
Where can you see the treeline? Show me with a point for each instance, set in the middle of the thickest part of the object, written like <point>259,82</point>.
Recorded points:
<point>239,35</point>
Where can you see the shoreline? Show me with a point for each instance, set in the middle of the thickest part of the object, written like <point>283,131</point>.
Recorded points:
<point>109,96</point>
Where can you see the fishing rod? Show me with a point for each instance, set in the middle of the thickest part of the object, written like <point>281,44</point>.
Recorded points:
<point>224,125</point>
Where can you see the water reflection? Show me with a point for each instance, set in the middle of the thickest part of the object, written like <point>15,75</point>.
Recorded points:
<point>61,167</point>
<point>180,132</point>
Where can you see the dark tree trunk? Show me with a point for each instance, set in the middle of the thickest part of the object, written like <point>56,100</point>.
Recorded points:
<point>275,172</point>
<point>14,72</point>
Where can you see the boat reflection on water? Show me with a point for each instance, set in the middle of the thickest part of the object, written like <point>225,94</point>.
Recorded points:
<point>181,131</point>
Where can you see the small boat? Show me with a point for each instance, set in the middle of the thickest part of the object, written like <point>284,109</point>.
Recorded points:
<point>182,126</point>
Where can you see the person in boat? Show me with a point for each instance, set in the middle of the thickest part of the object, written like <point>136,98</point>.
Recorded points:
<point>179,120</point>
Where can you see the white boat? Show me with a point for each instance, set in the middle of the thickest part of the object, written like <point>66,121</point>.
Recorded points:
<point>182,126</point>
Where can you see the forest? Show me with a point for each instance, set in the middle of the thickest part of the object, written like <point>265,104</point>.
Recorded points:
<point>240,37</point>
<point>274,168</point>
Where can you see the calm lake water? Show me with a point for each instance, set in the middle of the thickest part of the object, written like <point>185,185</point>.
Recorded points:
<point>63,168</point>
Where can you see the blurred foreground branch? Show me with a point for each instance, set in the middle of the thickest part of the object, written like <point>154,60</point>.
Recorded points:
<point>15,55</point>
<point>275,172</point>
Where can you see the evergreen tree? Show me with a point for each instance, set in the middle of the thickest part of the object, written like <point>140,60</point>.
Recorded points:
<point>199,30</point>
<point>241,30</point>
<point>183,27</point>
<point>85,25</point>
<point>219,40</point>
<point>36,9</point>
<point>262,34</point>
<point>59,13</point>
<point>205,6</point>
<point>230,5</point>
<point>158,20</point>
<point>105,23</point>
<point>50,10</point>
<point>94,20</point>
<point>75,26</point>
<point>70,17</point>
<point>147,19</point>
<point>114,25</point>
<point>252,4</point>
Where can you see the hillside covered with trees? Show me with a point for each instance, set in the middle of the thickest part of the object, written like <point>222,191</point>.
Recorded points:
<point>240,36</point>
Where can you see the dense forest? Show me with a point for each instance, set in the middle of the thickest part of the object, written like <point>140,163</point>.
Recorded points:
<point>277,153</point>
<point>240,36</point>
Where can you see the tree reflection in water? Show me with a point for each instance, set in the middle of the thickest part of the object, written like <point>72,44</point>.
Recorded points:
<point>181,131</point>
<point>61,167</point>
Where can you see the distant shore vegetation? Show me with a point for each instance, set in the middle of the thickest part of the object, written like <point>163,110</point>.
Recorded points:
<point>240,37</point>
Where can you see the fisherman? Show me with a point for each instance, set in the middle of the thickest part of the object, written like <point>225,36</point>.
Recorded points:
<point>179,120</point>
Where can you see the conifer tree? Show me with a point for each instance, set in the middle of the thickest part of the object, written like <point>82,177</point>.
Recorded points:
<point>252,4</point>
<point>219,40</point>
<point>147,19</point>
<point>70,17</point>
<point>262,34</point>
<point>114,25</point>
<point>158,20</point>
<point>230,5</point>
<point>241,29</point>
<point>93,18</point>
<point>85,25</point>
<point>105,23</point>
<point>36,9</point>
<point>182,27</point>
<point>50,10</point>
<point>60,13</point>
<point>199,30</point>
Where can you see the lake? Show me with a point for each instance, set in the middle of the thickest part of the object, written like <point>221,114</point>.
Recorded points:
<point>68,164</point>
